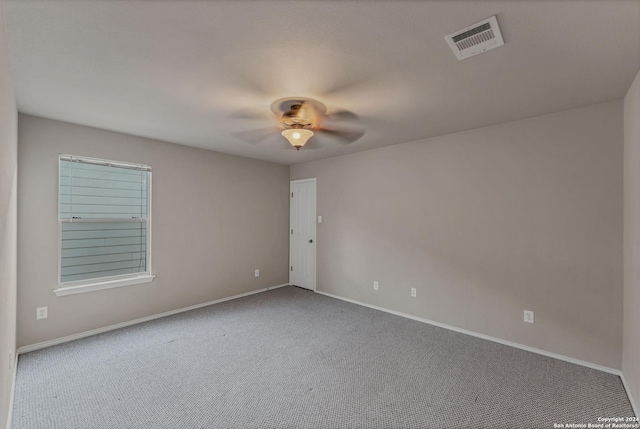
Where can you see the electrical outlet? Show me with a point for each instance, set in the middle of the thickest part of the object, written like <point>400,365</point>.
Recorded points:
<point>257,273</point>
<point>413,292</point>
<point>375,285</point>
<point>319,219</point>
<point>529,316</point>
<point>41,313</point>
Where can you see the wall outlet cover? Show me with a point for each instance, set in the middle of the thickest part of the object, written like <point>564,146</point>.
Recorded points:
<point>41,313</point>
<point>529,316</point>
<point>376,285</point>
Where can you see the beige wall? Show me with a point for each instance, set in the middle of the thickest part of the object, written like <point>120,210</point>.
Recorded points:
<point>631,324</point>
<point>8,226</point>
<point>486,223</point>
<point>215,218</point>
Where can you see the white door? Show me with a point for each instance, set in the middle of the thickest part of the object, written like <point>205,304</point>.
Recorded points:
<point>302,244</point>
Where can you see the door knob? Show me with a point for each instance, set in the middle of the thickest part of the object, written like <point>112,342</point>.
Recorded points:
<point>310,241</point>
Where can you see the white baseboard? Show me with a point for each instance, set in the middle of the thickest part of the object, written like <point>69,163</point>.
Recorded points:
<point>13,389</point>
<point>73,337</point>
<point>84,334</point>
<point>631,398</point>
<point>278,286</point>
<point>483,336</point>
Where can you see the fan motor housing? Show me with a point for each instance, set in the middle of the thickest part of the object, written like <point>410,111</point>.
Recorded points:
<point>296,117</point>
<point>293,115</point>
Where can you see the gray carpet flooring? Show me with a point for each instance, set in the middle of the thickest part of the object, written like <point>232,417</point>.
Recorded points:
<point>289,358</point>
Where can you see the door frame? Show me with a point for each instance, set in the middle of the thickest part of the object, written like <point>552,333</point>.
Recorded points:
<point>315,229</point>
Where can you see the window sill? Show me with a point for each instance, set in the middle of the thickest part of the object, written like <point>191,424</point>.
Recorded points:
<point>109,284</point>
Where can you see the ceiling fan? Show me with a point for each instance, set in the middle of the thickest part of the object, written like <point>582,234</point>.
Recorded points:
<point>301,118</point>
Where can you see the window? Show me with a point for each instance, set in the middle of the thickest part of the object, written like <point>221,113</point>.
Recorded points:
<point>104,219</point>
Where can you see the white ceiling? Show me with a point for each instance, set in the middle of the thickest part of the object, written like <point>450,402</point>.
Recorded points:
<point>180,71</point>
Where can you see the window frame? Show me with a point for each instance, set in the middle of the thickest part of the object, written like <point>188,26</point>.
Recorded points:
<point>107,282</point>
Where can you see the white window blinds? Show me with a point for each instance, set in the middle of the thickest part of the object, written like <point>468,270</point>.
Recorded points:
<point>104,218</point>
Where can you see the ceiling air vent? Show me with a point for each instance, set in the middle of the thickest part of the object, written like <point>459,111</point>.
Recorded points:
<point>475,39</point>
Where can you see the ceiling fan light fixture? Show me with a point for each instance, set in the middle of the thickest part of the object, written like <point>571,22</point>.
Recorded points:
<point>297,136</point>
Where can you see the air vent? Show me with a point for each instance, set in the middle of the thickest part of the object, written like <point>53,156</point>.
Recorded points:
<point>475,39</point>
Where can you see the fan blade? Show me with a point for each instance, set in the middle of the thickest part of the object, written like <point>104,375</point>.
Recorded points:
<point>285,145</point>
<point>257,135</point>
<point>341,115</point>
<point>252,113</point>
<point>343,136</point>
<point>312,144</point>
